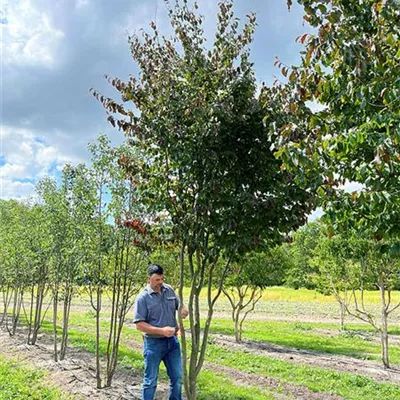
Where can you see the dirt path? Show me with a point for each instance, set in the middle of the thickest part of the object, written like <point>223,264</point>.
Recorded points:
<point>76,374</point>
<point>339,363</point>
<point>369,336</point>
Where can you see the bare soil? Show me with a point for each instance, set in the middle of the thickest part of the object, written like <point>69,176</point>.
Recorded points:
<point>364,335</point>
<point>76,374</point>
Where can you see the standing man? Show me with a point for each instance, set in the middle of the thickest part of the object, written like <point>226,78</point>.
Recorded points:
<point>155,316</point>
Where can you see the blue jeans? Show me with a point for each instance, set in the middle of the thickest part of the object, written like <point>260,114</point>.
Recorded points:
<point>168,351</point>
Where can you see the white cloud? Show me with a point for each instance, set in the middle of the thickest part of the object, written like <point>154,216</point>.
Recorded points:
<point>15,190</point>
<point>26,159</point>
<point>14,171</point>
<point>28,37</point>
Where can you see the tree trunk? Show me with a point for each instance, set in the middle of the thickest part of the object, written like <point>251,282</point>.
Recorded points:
<point>30,314</point>
<point>98,366</point>
<point>38,312</point>
<point>384,325</point>
<point>238,333</point>
<point>55,309</point>
<point>67,309</point>
<point>342,316</point>
<point>18,293</point>
<point>6,300</point>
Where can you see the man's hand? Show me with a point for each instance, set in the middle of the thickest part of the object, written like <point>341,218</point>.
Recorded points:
<point>168,331</point>
<point>184,312</point>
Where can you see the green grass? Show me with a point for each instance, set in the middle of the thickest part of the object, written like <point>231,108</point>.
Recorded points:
<point>301,336</point>
<point>209,383</point>
<point>213,386</point>
<point>351,387</point>
<point>21,382</point>
<point>293,334</point>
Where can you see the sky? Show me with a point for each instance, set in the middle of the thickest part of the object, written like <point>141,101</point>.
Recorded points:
<point>53,51</point>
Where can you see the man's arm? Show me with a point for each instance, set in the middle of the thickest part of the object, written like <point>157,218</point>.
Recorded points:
<point>145,327</point>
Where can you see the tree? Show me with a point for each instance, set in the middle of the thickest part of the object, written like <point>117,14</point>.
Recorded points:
<point>336,269</point>
<point>248,277</point>
<point>204,156</point>
<point>351,68</point>
<point>128,251</point>
<point>302,269</point>
<point>355,263</point>
<point>118,244</point>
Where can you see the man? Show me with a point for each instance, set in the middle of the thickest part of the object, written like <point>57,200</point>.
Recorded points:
<point>155,316</point>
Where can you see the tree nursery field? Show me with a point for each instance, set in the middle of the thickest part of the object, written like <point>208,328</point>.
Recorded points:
<point>218,177</point>
<point>292,348</point>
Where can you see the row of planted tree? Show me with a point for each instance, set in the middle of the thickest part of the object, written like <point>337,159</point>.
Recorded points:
<point>76,234</point>
<point>88,234</point>
<point>220,169</point>
<point>66,241</point>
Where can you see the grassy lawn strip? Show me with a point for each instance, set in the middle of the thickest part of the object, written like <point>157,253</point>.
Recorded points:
<point>20,382</point>
<point>351,387</point>
<point>301,336</point>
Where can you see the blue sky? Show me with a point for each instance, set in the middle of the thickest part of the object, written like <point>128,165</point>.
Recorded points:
<point>54,51</point>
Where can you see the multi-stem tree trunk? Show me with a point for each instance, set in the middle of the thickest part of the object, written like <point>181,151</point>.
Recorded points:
<point>241,305</point>
<point>124,290</point>
<point>40,294</point>
<point>201,270</point>
<point>96,302</point>
<point>16,309</point>
<point>361,313</point>
<point>98,285</point>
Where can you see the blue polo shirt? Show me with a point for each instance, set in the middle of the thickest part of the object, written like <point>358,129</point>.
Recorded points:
<point>157,309</point>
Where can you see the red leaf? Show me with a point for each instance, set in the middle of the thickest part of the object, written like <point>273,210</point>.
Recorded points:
<point>303,38</point>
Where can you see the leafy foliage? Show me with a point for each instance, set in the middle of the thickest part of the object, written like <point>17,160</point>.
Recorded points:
<point>350,66</point>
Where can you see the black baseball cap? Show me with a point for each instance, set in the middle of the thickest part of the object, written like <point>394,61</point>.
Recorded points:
<point>155,269</point>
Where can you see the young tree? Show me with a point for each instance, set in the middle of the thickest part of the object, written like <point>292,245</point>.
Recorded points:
<point>203,154</point>
<point>6,241</point>
<point>15,256</point>
<point>353,264</point>
<point>118,245</point>
<point>129,251</point>
<point>336,267</point>
<point>302,269</point>
<point>248,277</point>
